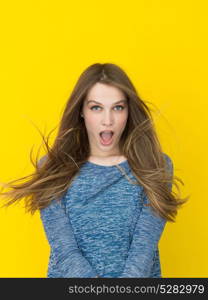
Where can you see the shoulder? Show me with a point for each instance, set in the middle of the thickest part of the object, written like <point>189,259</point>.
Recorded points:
<point>169,162</point>
<point>41,160</point>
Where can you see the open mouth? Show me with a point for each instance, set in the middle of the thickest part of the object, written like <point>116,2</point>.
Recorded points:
<point>106,136</point>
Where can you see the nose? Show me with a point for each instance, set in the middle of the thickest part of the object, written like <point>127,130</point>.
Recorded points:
<point>107,118</point>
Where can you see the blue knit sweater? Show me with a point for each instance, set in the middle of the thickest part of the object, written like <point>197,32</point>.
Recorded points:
<point>101,227</point>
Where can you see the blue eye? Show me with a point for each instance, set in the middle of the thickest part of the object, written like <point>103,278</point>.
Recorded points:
<point>122,107</point>
<point>94,106</point>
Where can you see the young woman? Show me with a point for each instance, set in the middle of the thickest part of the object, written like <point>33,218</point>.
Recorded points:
<point>104,189</point>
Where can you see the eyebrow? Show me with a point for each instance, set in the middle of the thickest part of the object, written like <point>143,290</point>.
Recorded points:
<point>123,100</point>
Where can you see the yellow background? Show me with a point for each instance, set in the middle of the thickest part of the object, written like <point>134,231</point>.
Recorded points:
<point>162,45</point>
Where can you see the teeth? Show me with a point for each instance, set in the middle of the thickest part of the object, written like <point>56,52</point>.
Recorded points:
<point>107,131</point>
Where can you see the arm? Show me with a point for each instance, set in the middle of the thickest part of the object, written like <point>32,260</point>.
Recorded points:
<point>145,240</point>
<point>156,268</point>
<point>69,259</point>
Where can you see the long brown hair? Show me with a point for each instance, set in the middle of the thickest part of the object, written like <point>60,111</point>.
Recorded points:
<point>139,143</point>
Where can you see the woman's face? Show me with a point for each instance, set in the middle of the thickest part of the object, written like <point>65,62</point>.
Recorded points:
<point>105,108</point>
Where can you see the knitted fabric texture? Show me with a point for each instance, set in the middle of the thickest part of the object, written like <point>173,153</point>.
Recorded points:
<point>101,227</point>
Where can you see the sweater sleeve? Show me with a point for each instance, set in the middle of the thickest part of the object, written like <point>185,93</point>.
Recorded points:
<point>147,233</point>
<point>69,259</point>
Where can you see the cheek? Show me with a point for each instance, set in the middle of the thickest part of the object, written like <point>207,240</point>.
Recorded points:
<point>91,122</point>
<point>121,122</point>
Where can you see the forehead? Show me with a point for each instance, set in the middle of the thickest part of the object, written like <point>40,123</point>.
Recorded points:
<point>102,92</point>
